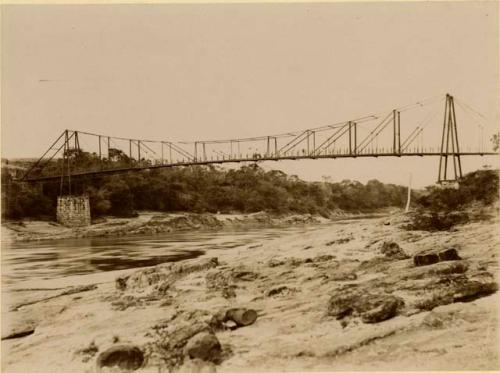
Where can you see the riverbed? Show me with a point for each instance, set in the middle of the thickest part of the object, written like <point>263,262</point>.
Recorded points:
<point>65,307</point>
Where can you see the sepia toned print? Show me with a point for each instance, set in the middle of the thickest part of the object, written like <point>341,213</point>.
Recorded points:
<point>250,187</point>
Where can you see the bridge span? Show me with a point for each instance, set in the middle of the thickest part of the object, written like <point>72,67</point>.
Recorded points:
<point>77,154</point>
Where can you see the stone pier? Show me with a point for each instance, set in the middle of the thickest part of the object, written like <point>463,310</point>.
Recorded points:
<point>73,211</point>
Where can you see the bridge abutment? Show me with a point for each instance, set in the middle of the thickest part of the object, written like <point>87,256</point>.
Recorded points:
<point>73,211</point>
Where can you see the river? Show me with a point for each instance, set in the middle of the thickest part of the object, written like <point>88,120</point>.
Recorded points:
<point>41,261</point>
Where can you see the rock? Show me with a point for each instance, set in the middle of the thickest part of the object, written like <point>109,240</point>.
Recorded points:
<point>125,357</point>
<point>241,316</point>
<point>218,280</point>
<point>87,352</point>
<point>437,320</point>
<point>228,292</point>
<point>339,241</point>
<point>19,332</point>
<point>384,311</point>
<point>457,289</point>
<point>275,262</point>
<point>425,259</point>
<point>79,289</point>
<point>393,251</point>
<point>280,291</point>
<point>164,287</point>
<point>437,269</point>
<point>243,274</point>
<point>449,254</point>
<point>472,290</point>
<point>204,346</point>
<point>121,282</point>
<point>323,258</point>
<point>371,307</point>
<point>343,276</point>
<point>168,272</point>
<point>294,262</point>
<point>224,280</point>
<point>341,305</point>
<point>432,258</point>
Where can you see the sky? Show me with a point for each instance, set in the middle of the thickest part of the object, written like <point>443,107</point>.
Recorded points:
<point>210,71</point>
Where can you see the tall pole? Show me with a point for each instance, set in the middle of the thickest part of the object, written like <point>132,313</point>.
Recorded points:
<point>399,132</point>
<point>456,137</point>
<point>307,134</point>
<point>350,137</point>
<point>355,137</point>
<point>67,158</point>
<point>394,131</point>
<point>442,139</point>
<point>447,143</point>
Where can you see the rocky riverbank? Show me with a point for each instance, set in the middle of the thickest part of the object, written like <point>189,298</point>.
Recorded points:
<point>154,223</point>
<point>356,295</point>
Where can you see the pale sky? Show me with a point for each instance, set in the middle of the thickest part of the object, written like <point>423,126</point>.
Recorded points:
<point>207,71</point>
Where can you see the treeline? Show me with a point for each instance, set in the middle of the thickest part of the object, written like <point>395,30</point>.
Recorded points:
<point>479,186</point>
<point>201,189</point>
<point>442,208</point>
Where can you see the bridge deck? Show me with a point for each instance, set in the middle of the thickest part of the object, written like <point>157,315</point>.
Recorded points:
<point>251,159</point>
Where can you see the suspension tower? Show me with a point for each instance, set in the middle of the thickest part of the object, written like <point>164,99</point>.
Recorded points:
<point>449,144</point>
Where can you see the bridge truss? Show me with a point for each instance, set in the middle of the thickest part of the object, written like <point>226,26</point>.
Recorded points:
<point>77,153</point>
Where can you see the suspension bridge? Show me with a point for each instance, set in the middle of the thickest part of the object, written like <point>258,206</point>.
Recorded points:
<point>421,129</point>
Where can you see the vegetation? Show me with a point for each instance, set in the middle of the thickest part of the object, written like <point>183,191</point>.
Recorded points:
<point>201,189</point>
<point>441,208</point>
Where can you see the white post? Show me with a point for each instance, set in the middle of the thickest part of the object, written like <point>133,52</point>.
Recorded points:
<point>407,209</point>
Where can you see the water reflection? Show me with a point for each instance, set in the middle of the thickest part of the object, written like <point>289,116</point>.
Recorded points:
<point>53,259</point>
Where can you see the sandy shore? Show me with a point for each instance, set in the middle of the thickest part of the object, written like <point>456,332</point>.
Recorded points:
<point>331,299</point>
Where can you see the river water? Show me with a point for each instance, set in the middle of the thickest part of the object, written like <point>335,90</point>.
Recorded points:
<point>48,260</point>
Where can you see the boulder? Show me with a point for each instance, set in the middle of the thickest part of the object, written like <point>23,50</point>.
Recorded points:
<point>432,258</point>
<point>340,306</point>
<point>204,346</point>
<point>125,357</point>
<point>449,254</point>
<point>384,311</point>
<point>371,307</point>
<point>393,251</point>
<point>472,290</point>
